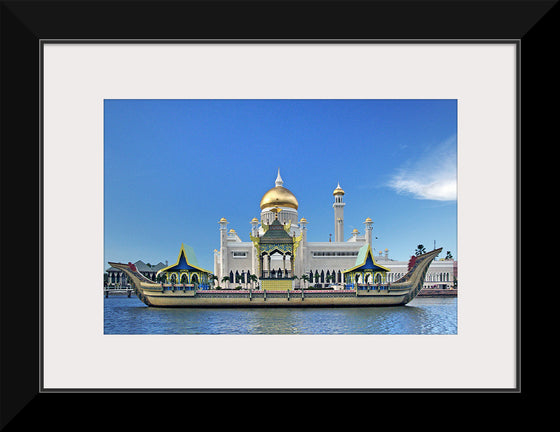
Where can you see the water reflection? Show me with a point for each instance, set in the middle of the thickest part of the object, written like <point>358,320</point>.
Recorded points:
<point>422,316</point>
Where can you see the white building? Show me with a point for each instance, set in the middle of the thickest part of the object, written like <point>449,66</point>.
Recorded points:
<point>322,262</point>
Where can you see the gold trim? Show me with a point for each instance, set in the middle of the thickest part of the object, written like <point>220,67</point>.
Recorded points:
<point>287,226</point>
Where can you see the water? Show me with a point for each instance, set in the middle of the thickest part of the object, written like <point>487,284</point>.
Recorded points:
<point>432,316</point>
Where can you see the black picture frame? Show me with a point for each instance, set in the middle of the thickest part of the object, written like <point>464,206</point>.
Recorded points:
<point>27,24</point>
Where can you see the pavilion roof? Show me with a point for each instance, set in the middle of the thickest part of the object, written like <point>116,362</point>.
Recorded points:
<point>185,261</point>
<point>366,261</point>
<point>276,234</point>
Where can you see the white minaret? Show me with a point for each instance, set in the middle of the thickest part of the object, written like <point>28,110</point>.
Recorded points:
<point>369,230</point>
<point>338,207</point>
<point>223,248</point>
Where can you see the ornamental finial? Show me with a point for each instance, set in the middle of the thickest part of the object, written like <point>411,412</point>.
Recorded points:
<point>279,181</point>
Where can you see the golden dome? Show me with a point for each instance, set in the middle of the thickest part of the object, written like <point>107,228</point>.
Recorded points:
<point>223,220</point>
<point>232,231</point>
<point>338,190</point>
<point>355,231</point>
<point>279,196</point>
<point>368,220</point>
<point>303,220</point>
<point>254,220</point>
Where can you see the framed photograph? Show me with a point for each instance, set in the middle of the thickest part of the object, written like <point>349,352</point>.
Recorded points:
<point>72,88</point>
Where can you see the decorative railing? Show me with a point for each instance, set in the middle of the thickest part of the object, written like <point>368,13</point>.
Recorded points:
<point>373,287</point>
<point>286,274</point>
<point>287,294</point>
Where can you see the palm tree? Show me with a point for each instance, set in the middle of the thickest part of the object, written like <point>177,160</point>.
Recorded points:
<point>420,249</point>
<point>304,277</point>
<point>253,278</point>
<point>225,279</point>
<point>212,278</point>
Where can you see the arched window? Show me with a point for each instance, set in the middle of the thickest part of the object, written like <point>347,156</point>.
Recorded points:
<point>231,279</point>
<point>339,279</point>
<point>322,276</point>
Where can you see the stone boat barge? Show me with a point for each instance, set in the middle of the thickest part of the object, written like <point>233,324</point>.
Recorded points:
<point>397,293</point>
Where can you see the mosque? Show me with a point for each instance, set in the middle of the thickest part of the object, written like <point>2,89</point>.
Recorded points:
<point>279,255</point>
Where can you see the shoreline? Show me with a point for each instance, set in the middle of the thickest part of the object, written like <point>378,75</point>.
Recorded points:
<point>431,292</point>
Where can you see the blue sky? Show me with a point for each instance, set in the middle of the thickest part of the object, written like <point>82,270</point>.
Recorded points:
<point>173,168</point>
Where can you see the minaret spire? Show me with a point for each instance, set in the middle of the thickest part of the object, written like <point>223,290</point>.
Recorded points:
<point>279,181</point>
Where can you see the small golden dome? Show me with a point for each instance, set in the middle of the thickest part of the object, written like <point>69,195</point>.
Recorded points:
<point>303,220</point>
<point>355,231</point>
<point>223,220</point>
<point>368,220</point>
<point>232,231</point>
<point>254,220</point>
<point>338,190</point>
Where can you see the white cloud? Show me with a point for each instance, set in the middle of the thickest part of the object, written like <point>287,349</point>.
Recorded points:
<point>433,176</point>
